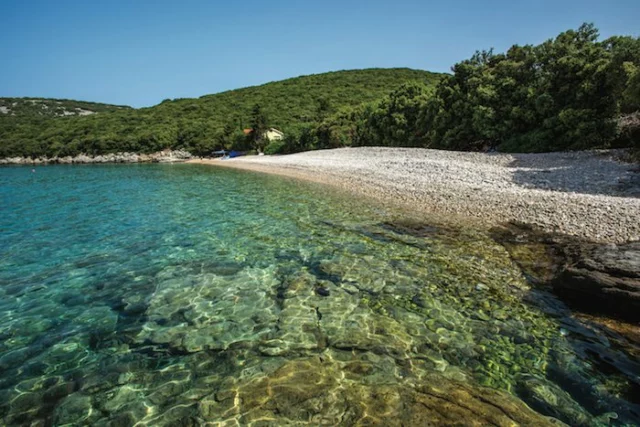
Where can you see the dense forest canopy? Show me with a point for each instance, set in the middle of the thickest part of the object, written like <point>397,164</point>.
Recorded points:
<point>570,92</point>
<point>564,94</point>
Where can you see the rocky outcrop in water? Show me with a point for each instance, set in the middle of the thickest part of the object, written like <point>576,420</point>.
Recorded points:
<point>166,156</point>
<point>605,278</point>
<point>597,278</point>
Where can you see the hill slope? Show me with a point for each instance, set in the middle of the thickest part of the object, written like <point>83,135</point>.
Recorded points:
<point>196,124</point>
<point>33,108</point>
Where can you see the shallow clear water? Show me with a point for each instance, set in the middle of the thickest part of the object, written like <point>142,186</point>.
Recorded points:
<point>184,294</point>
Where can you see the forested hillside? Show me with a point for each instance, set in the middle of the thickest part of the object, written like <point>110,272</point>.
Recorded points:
<point>571,92</point>
<point>38,108</point>
<point>202,124</point>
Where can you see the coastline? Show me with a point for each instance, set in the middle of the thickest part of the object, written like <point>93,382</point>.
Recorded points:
<point>166,156</point>
<point>588,195</point>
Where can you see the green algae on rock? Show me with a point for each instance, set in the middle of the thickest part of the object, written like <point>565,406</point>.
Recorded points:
<point>322,390</point>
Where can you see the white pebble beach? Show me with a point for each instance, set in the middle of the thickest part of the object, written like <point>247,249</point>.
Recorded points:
<point>590,195</point>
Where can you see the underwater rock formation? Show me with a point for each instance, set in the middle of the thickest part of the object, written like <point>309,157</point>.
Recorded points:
<point>324,391</point>
<point>603,278</point>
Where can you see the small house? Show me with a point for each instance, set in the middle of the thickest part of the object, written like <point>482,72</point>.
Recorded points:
<point>271,134</point>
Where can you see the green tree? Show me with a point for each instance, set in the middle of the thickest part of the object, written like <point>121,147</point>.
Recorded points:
<point>623,70</point>
<point>225,138</point>
<point>323,108</point>
<point>259,127</point>
<point>396,120</point>
<point>631,93</point>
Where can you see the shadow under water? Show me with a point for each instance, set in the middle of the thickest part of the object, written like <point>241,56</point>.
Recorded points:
<point>183,295</point>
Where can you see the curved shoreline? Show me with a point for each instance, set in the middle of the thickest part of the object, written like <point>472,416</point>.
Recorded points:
<point>589,195</point>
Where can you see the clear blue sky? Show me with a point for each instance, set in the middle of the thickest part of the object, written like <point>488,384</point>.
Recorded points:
<point>139,52</point>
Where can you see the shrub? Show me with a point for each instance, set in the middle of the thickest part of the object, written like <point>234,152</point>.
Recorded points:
<point>277,146</point>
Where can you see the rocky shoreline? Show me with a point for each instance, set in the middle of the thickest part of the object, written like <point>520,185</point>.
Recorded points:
<point>166,156</point>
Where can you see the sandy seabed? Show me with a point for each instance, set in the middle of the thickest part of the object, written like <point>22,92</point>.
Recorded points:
<point>590,195</point>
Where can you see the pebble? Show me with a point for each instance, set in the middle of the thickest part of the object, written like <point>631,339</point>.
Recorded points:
<point>324,292</point>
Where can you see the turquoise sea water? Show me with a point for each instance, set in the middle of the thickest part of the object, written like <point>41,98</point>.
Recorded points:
<point>185,295</point>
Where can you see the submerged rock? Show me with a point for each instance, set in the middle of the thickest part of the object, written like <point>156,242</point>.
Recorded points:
<point>603,278</point>
<point>546,397</point>
<point>323,292</point>
<point>600,278</point>
<point>325,391</point>
<point>75,409</point>
<point>212,313</point>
